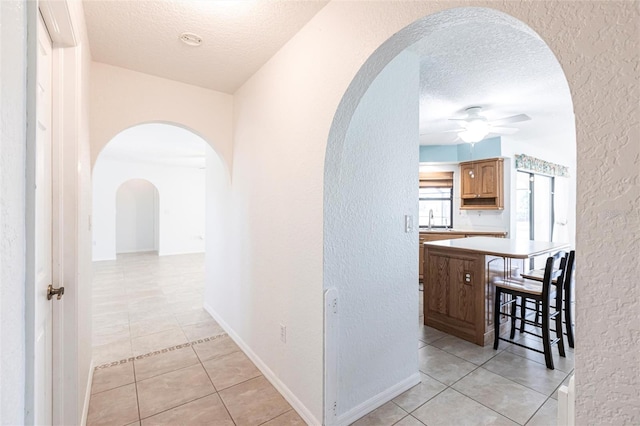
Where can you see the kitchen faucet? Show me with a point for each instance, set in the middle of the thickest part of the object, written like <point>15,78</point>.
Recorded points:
<point>430,217</point>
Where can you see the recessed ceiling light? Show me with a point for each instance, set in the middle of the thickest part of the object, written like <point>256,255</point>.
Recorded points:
<point>191,39</point>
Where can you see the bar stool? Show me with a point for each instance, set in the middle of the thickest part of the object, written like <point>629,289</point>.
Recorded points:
<point>540,293</point>
<point>567,288</point>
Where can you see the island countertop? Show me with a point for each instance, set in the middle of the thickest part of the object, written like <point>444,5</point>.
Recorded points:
<point>459,231</point>
<point>503,247</point>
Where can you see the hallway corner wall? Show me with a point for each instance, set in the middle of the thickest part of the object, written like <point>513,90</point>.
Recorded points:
<point>367,197</point>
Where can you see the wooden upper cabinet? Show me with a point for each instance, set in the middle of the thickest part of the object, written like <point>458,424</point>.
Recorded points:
<point>482,184</point>
<point>489,179</point>
<point>468,185</point>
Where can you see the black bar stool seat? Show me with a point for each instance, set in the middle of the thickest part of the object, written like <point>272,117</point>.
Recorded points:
<point>512,290</point>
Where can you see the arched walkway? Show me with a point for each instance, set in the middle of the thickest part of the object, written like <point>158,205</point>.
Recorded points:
<point>175,160</point>
<point>370,257</point>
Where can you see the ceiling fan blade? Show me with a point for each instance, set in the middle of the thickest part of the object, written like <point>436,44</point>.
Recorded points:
<point>512,119</point>
<point>503,130</point>
<point>444,131</point>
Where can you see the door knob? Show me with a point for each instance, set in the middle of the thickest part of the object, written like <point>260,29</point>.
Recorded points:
<point>51,291</point>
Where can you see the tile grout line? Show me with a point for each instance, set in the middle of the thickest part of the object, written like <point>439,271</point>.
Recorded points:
<point>409,415</point>
<point>167,372</point>
<point>239,383</point>
<point>465,395</point>
<point>525,385</point>
<point>457,391</point>
<point>279,415</point>
<point>178,406</point>
<point>135,383</point>
<point>481,403</point>
<point>537,362</point>
<point>214,387</point>
<point>538,409</point>
<point>481,366</point>
<point>160,351</point>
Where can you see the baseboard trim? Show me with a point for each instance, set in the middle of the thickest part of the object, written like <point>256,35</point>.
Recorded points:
<point>297,405</point>
<point>87,395</point>
<point>380,399</point>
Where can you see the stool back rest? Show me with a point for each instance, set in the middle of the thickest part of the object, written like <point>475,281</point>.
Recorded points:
<point>568,275</point>
<point>551,273</point>
<point>557,256</point>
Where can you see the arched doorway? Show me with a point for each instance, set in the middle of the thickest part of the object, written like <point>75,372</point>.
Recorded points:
<point>175,160</point>
<point>155,189</point>
<point>370,220</point>
<point>137,217</point>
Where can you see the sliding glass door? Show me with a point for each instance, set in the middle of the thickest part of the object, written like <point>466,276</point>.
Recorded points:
<point>534,207</point>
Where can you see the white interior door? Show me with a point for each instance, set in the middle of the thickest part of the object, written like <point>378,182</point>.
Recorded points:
<point>43,389</point>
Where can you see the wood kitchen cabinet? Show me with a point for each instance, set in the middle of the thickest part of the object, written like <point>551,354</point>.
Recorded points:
<point>453,294</point>
<point>482,185</point>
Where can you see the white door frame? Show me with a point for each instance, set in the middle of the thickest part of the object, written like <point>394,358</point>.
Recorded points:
<point>57,18</point>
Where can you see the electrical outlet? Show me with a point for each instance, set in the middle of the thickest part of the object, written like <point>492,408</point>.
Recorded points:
<point>283,333</point>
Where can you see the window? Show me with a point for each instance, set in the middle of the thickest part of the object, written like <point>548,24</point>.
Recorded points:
<point>436,194</point>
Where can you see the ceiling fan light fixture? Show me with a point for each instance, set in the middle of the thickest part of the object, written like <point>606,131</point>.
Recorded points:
<point>475,130</point>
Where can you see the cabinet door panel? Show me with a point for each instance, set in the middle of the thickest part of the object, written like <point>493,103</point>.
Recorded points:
<point>487,184</point>
<point>437,284</point>
<point>462,284</point>
<point>468,181</point>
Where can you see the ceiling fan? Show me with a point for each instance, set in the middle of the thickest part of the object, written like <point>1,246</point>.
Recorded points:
<point>475,127</point>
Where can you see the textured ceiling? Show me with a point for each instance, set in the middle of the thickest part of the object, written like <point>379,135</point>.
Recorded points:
<point>497,67</point>
<point>504,70</point>
<point>239,36</point>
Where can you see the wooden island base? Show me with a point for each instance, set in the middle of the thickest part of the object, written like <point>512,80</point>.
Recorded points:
<point>458,294</point>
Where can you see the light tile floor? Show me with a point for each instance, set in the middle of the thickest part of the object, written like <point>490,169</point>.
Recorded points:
<point>466,384</point>
<point>163,360</point>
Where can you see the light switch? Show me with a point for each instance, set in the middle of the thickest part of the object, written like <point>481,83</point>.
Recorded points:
<point>408,223</point>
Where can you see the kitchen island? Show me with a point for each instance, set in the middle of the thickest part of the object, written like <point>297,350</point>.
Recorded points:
<point>458,295</point>
<point>437,234</point>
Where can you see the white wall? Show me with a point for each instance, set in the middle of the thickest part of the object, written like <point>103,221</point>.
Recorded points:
<point>282,119</point>
<point>12,210</point>
<point>121,99</point>
<point>366,200</point>
<point>181,192</point>
<point>137,217</point>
